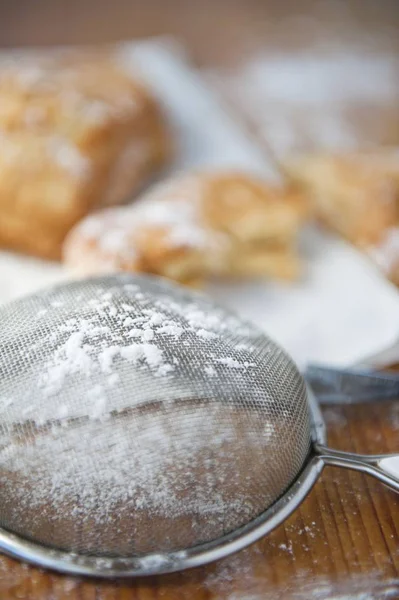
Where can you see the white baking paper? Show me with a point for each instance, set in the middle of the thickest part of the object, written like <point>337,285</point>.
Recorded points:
<point>339,312</point>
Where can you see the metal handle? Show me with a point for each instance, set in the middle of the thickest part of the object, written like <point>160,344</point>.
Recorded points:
<point>384,467</point>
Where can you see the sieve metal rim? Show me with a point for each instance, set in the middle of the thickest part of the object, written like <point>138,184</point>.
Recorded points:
<point>162,563</point>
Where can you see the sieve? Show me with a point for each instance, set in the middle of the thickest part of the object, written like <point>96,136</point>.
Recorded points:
<point>145,430</point>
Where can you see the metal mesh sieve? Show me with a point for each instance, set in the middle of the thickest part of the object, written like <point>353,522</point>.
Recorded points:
<point>138,417</point>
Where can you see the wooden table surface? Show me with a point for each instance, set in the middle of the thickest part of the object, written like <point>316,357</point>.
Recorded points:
<point>343,542</point>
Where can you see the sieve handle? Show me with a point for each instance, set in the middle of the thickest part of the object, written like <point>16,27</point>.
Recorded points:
<point>384,467</point>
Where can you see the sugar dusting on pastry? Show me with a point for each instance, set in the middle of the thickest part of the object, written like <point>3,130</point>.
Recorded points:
<point>46,75</point>
<point>77,133</point>
<point>68,157</point>
<point>175,208</point>
<point>194,226</point>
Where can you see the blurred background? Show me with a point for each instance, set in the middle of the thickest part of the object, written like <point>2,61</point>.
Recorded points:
<point>339,58</point>
<point>215,31</point>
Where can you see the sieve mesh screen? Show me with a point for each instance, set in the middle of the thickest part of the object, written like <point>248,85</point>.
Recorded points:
<point>139,417</point>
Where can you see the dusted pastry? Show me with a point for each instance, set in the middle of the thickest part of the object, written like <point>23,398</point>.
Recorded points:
<point>192,227</point>
<point>77,133</point>
<point>356,195</point>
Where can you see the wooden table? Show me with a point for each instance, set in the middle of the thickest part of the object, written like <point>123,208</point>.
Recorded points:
<point>343,542</point>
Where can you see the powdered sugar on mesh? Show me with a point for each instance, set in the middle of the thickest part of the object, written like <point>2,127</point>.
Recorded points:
<point>132,466</point>
<point>113,425</point>
<point>233,363</point>
<point>90,345</point>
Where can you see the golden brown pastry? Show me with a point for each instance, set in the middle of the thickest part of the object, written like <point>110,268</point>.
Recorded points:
<point>76,133</point>
<point>356,195</point>
<point>191,227</point>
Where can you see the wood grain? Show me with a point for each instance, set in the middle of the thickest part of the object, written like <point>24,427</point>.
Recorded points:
<point>343,542</point>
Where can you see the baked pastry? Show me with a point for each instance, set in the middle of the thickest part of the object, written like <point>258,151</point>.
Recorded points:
<point>77,133</point>
<point>356,195</point>
<point>192,227</point>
